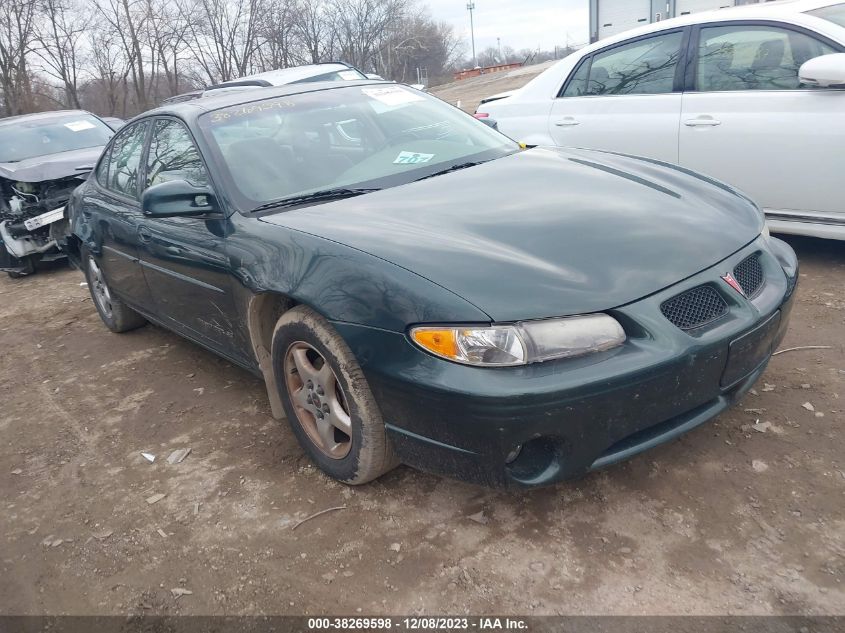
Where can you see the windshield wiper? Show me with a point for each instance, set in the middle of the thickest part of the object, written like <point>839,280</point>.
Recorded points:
<point>325,195</point>
<point>453,168</point>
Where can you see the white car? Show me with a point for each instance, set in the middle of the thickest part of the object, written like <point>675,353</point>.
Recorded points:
<point>753,96</point>
<point>328,71</point>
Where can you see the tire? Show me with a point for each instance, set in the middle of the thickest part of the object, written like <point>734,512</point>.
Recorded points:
<point>29,269</point>
<point>117,316</point>
<point>355,448</point>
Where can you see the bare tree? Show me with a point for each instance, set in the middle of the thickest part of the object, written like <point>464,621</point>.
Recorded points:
<point>279,36</point>
<point>127,55</point>
<point>314,30</point>
<point>17,31</point>
<point>106,92</point>
<point>418,46</point>
<point>60,37</point>
<point>362,27</point>
<point>127,20</point>
<point>223,35</point>
<point>166,32</point>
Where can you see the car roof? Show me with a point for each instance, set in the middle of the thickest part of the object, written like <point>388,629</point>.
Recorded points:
<point>283,76</point>
<point>790,10</point>
<point>191,110</point>
<point>40,116</point>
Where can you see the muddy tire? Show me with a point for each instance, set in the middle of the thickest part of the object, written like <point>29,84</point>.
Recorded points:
<point>29,269</point>
<point>327,399</point>
<point>117,316</point>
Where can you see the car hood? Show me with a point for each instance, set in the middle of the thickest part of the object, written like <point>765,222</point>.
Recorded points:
<point>52,166</point>
<point>545,232</point>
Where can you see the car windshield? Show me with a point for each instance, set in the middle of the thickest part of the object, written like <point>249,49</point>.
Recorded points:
<point>834,13</point>
<point>352,138</point>
<point>44,136</point>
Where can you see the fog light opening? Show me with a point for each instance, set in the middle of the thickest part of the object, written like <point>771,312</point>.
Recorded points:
<point>511,458</point>
<point>536,461</point>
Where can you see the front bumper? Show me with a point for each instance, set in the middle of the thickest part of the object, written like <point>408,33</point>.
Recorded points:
<point>576,415</point>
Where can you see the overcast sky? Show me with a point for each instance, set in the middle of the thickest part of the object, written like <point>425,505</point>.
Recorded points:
<point>520,23</point>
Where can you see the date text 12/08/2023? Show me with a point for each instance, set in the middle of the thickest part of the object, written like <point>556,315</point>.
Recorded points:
<point>418,623</point>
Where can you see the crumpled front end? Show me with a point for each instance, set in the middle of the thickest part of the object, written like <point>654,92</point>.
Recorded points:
<point>32,222</point>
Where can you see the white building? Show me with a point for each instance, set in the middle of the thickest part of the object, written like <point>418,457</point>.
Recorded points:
<point>609,17</point>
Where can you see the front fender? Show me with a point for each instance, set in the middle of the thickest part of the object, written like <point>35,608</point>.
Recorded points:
<point>342,283</point>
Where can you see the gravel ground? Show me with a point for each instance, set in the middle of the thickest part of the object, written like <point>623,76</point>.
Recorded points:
<point>469,92</point>
<point>736,517</point>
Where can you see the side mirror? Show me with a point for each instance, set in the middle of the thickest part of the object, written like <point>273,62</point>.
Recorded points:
<point>178,198</point>
<point>827,71</point>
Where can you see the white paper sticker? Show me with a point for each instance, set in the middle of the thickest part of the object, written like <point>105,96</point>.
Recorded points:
<point>412,158</point>
<point>349,75</point>
<point>78,126</point>
<point>392,96</point>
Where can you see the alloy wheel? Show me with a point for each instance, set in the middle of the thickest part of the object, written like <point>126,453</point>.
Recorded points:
<point>100,289</point>
<point>318,399</point>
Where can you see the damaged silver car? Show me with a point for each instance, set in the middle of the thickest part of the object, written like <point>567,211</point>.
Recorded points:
<point>43,158</point>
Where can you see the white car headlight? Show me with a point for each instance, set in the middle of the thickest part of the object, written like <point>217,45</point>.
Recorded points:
<point>522,343</point>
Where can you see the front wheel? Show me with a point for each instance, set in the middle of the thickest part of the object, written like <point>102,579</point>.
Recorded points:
<point>117,316</point>
<point>327,399</point>
<point>28,268</point>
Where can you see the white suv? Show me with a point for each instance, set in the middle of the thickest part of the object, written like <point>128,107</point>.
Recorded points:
<point>730,93</point>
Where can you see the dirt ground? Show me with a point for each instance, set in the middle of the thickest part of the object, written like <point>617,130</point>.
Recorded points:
<point>469,92</point>
<point>729,519</point>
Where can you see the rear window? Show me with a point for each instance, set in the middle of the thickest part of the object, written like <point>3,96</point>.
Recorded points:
<point>834,13</point>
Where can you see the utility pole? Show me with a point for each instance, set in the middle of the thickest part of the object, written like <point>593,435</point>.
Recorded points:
<point>471,8</point>
<point>499,43</point>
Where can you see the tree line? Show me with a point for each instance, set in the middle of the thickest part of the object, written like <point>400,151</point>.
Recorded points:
<point>121,57</point>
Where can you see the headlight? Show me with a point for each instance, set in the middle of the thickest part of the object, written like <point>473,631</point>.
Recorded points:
<point>765,232</point>
<point>522,343</point>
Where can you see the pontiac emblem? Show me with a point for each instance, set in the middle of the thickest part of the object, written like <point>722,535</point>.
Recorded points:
<point>733,283</point>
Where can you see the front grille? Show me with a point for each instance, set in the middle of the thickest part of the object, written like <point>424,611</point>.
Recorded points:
<point>695,307</point>
<point>749,274</point>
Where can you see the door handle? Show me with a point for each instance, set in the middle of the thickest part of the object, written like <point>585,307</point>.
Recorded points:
<point>567,122</point>
<point>704,121</point>
<point>144,235</point>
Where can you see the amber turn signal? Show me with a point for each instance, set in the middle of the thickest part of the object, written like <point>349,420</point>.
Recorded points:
<point>440,342</point>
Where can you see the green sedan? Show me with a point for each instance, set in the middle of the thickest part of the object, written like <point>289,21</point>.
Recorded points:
<point>414,287</point>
